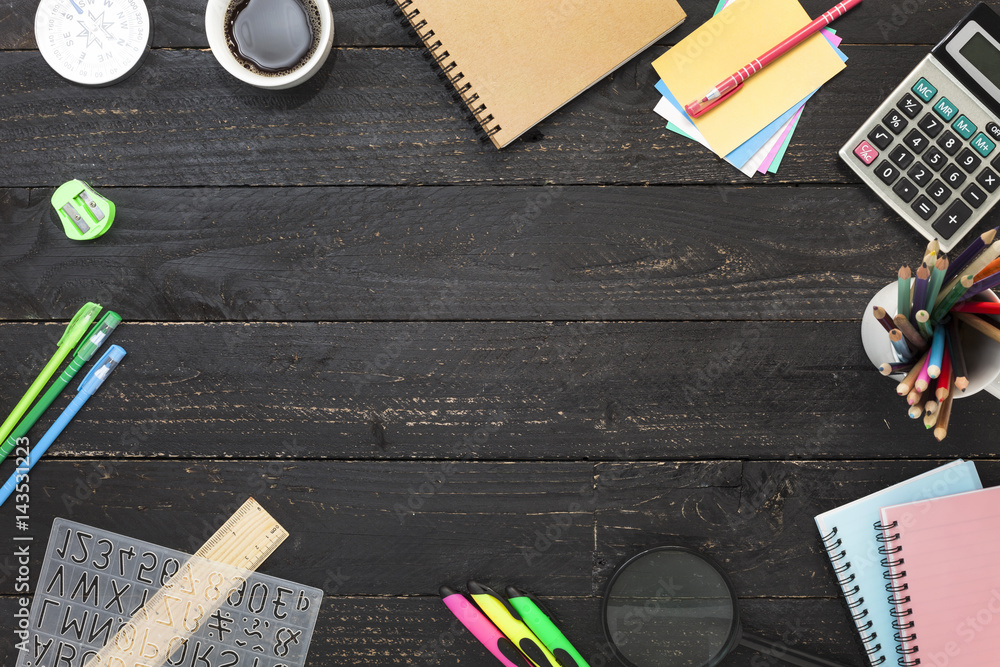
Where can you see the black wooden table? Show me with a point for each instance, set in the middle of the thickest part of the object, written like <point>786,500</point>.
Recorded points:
<point>432,360</point>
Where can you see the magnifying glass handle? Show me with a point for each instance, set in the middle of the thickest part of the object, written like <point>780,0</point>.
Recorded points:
<point>785,653</point>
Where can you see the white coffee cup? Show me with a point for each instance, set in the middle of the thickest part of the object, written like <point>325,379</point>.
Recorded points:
<point>982,354</point>
<point>215,16</point>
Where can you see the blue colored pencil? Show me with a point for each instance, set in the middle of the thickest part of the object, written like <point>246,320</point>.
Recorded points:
<point>937,353</point>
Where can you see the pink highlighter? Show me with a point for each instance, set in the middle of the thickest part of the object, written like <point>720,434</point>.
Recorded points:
<point>483,629</point>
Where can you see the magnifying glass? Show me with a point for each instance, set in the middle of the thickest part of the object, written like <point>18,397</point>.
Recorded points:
<point>672,607</point>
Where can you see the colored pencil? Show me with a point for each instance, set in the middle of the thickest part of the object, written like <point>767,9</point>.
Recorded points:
<point>888,369</point>
<point>923,378</point>
<point>991,253</point>
<point>937,280</point>
<point>944,416</point>
<point>883,318</point>
<point>920,289</point>
<point>970,254</point>
<point>936,359</point>
<point>916,410</point>
<point>914,397</point>
<point>958,357</point>
<point>979,324</point>
<point>930,418</point>
<point>990,269</point>
<point>903,350</point>
<point>980,307</point>
<point>989,282</point>
<point>905,385</point>
<point>951,299</point>
<point>930,407</point>
<point>731,84</point>
<point>903,292</point>
<point>913,336</point>
<point>945,379</point>
<point>923,323</point>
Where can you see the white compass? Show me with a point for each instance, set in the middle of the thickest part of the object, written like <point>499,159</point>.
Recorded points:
<point>93,42</point>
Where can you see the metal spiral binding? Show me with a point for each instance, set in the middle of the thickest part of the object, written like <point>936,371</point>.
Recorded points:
<point>845,579</point>
<point>896,586</point>
<point>447,68</point>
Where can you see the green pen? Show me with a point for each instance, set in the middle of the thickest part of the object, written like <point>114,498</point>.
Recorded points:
<point>78,326</point>
<point>88,347</point>
<point>546,631</point>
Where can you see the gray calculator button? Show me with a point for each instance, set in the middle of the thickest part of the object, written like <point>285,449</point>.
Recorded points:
<point>909,105</point>
<point>931,125</point>
<point>952,176</point>
<point>916,141</point>
<point>901,156</point>
<point>949,143</point>
<point>886,172</point>
<point>905,190</point>
<point>953,217</point>
<point>938,192</point>
<point>973,195</point>
<point>920,174</point>
<point>988,179</point>
<point>924,208</point>
<point>880,137</point>
<point>935,159</point>
<point>968,160</point>
<point>895,121</point>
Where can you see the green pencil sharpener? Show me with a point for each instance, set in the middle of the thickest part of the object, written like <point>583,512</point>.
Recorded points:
<point>84,214</point>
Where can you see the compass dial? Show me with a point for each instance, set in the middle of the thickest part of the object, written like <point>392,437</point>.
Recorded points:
<point>93,42</point>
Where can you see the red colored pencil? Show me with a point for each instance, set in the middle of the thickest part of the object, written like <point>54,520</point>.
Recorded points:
<point>727,87</point>
<point>978,307</point>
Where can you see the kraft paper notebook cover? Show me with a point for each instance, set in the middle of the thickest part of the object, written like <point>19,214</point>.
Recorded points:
<point>944,567</point>
<point>516,62</point>
<point>850,540</point>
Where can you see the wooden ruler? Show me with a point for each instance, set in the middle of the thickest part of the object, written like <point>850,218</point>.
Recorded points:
<point>200,586</point>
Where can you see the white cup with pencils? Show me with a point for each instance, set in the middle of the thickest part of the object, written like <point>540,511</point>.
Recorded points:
<point>947,345</point>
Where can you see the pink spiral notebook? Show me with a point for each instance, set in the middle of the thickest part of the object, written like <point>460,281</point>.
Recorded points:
<point>943,557</point>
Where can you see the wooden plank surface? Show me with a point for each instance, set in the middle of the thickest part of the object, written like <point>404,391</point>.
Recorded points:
<point>181,23</point>
<point>418,631</point>
<point>495,391</point>
<point>380,116</point>
<point>459,253</point>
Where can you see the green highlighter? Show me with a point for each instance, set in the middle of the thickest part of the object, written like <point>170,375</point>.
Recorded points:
<point>78,326</point>
<point>87,348</point>
<point>546,631</point>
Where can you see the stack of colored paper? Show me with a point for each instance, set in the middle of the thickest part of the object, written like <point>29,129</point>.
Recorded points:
<point>752,129</point>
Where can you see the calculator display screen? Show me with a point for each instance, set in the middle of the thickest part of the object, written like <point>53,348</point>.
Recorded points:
<point>982,55</point>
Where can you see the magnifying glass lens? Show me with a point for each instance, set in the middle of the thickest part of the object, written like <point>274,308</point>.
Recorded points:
<point>670,608</point>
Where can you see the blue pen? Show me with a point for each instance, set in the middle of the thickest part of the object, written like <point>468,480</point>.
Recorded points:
<point>97,375</point>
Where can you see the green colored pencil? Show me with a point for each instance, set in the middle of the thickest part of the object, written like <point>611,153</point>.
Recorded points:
<point>937,280</point>
<point>950,299</point>
<point>903,292</point>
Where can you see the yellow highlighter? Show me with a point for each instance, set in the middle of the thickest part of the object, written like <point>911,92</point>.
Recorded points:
<point>509,622</point>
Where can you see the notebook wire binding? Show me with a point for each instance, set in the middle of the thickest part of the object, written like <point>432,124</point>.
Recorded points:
<point>896,586</point>
<point>855,603</point>
<point>473,107</point>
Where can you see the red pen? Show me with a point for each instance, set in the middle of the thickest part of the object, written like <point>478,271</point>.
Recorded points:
<point>732,84</point>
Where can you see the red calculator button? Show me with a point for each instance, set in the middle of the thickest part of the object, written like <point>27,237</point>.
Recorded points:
<point>866,152</point>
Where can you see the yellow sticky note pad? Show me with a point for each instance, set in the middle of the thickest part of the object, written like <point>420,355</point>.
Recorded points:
<point>739,33</point>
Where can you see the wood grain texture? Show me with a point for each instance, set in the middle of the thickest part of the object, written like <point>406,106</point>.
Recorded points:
<point>459,253</point>
<point>494,391</point>
<point>180,24</point>
<point>380,116</point>
<point>418,632</point>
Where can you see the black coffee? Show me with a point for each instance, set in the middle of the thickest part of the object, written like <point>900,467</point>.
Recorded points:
<point>272,37</point>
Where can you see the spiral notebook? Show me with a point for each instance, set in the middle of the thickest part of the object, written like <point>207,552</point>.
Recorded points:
<point>947,594</point>
<point>856,554</point>
<point>518,62</point>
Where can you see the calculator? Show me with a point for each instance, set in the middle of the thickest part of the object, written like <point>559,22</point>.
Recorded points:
<point>930,150</point>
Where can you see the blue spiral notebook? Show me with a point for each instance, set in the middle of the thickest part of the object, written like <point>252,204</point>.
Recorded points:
<point>850,540</point>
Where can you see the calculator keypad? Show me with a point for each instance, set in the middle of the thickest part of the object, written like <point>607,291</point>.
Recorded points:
<point>931,150</point>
